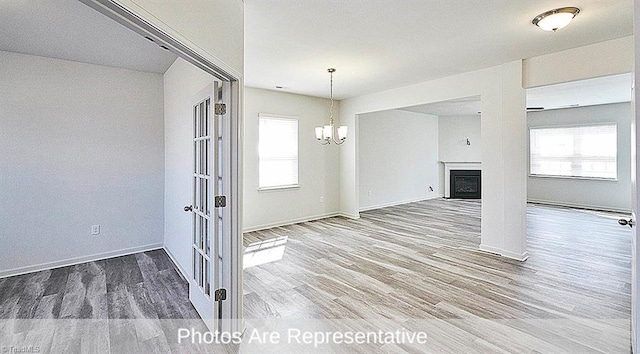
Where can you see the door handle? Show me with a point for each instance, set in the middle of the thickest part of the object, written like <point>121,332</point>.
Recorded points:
<point>188,208</point>
<point>624,222</point>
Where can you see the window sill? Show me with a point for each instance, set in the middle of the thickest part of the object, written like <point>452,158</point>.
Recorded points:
<point>278,188</point>
<point>576,178</point>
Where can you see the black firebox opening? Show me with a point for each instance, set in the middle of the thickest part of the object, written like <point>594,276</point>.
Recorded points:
<point>465,184</point>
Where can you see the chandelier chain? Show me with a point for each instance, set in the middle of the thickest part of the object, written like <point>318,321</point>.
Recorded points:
<point>331,96</point>
<point>328,133</point>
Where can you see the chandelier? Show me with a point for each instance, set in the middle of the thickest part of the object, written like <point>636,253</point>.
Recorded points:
<point>328,133</point>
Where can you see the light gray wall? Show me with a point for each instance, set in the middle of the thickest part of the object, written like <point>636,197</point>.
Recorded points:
<point>452,143</point>
<point>452,134</point>
<point>614,195</point>
<point>80,144</point>
<point>398,158</point>
<point>318,165</point>
<point>181,81</point>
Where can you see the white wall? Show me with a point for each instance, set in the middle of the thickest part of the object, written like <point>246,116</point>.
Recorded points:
<point>318,165</point>
<point>398,158</point>
<point>452,134</point>
<point>596,60</point>
<point>80,144</point>
<point>181,81</point>
<point>614,195</point>
<point>452,144</point>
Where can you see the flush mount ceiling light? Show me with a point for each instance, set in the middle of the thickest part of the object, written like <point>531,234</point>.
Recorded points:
<point>328,133</point>
<point>555,19</point>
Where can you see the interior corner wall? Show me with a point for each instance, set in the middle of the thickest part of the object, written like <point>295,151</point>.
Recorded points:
<point>586,193</point>
<point>181,82</point>
<point>398,158</point>
<point>81,145</point>
<point>318,165</point>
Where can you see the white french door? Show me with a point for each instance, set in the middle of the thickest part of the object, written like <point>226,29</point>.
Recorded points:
<point>216,248</point>
<point>210,218</point>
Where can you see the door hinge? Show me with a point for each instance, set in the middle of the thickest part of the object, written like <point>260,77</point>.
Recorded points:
<point>220,294</point>
<point>220,109</point>
<point>220,201</point>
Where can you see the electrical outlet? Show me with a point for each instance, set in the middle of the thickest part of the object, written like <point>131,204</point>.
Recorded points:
<point>369,193</point>
<point>95,229</point>
<point>321,199</point>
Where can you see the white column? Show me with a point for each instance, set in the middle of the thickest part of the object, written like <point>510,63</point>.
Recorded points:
<point>504,162</point>
<point>514,145</point>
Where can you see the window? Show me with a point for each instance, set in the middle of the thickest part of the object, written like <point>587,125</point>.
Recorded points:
<point>581,151</point>
<point>278,152</point>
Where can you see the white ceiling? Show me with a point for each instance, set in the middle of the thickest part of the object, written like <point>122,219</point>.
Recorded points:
<point>381,44</point>
<point>68,29</point>
<point>602,90</point>
<point>373,44</point>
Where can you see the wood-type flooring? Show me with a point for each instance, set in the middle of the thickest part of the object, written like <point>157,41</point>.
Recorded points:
<point>415,266</point>
<point>419,264</point>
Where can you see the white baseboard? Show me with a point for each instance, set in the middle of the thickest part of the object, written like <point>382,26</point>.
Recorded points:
<point>292,221</point>
<point>390,204</point>
<point>182,271</point>
<point>579,206</point>
<point>77,260</point>
<point>490,249</point>
<point>350,216</point>
<point>330,215</point>
<point>518,257</point>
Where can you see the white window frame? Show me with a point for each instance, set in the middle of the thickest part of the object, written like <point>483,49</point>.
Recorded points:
<point>286,118</point>
<point>615,124</point>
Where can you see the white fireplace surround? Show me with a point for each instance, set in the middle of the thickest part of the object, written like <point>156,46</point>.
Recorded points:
<point>448,166</point>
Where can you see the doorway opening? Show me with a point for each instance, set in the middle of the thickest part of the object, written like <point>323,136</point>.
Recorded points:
<point>115,144</point>
<point>429,141</point>
<point>580,149</point>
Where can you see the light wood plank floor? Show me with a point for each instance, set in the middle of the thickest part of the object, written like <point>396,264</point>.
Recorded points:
<point>419,265</point>
<point>128,304</point>
<point>115,288</point>
<point>414,266</point>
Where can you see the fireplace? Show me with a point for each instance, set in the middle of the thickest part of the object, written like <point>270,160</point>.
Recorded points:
<point>465,184</point>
